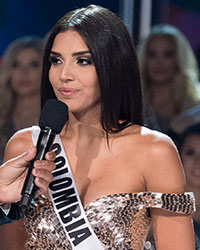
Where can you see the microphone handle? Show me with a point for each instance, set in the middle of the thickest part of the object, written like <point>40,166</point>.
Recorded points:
<point>44,144</point>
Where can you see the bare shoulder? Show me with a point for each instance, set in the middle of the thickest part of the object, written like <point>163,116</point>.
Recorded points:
<point>156,140</point>
<point>149,138</point>
<point>159,160</point>
<point>20,142</point>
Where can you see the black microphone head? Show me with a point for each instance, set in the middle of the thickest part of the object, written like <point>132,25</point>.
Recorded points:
<point>54,115</point>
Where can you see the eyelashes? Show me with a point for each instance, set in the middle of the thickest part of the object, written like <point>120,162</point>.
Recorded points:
<point>84,61</point>
<point>80,60</point>
<point>54,60</point>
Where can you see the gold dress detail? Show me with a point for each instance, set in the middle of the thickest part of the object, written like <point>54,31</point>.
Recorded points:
<point>120,221</point>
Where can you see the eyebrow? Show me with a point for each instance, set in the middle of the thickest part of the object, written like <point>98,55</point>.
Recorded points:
<point>80,53</point>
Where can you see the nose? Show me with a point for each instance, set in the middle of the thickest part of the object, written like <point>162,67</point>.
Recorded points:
<point>24,70</point>
<point>67,74</point>
<point>159,59</point>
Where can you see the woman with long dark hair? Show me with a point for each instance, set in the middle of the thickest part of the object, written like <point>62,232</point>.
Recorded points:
<point>113,175</point>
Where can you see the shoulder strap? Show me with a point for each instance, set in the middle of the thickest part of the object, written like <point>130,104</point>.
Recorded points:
<point>68,206</point>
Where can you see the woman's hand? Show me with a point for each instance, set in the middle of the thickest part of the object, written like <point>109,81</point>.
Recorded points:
<point>13,174</point>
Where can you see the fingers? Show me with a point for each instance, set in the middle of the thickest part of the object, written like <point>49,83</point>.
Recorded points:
<point>22,160</point>
<point>43,169</point>
<point>45,165</point>
<point>42,172</point>
<point>30,154</point>
<point>43,175</point>
<point>42,179</point>
<point>50,156</point>
<point>25,158</point>
<point>42,185</point>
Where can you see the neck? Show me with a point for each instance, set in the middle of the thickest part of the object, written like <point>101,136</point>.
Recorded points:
<point>162,96</point>
<point>85,126</point>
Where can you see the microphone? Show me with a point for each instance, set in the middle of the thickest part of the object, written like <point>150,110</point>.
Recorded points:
<point>53,117</point>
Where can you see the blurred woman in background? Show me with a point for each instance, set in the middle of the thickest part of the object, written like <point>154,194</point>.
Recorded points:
<point>170,75</point>
<point>20,78</point>
<point>189,149</point>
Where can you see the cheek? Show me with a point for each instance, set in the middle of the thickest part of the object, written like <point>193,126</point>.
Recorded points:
<point>14,79</point>
<point>150,65</point>
<point>51,76</point>
<point>86,75</point>
<point>95,86</point>
<point>53,80</point>
<point>15,74</point>
<point>89,78</point>
<point>35,75</point>
<point>171,65</point>
<point>187,163</point>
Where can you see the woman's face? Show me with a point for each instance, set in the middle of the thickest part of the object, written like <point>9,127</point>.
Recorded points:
<point>190,155</point>
<point>72,73</point>
<point>161,63</point>
<point>26,72</point>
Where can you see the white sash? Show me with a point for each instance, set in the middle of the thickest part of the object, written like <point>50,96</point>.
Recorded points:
<point>67,203</point>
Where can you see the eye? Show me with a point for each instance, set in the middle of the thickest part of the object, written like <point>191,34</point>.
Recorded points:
<point>189,152</point>
<point>169,54</point>
<point>54,60</point>
<point>84,61</point>
<point>15,64</point>
<point>35,64</point>
<point>151,54</point>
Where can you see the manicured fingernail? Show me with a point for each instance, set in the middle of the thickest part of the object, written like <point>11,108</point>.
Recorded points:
<point>37,163</point>
<point>51,155</point>
<point>36,171</point>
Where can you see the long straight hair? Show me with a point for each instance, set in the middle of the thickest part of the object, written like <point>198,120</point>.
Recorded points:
<point>115,60</point>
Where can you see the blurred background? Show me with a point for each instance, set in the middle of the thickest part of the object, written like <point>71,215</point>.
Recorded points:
<point>36,17</point>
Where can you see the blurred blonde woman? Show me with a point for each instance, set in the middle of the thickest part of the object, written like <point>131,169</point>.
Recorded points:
<point>20,78</point>
<point>170,74</point>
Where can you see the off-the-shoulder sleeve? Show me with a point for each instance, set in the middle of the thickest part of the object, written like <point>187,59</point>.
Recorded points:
<point>180,203</point>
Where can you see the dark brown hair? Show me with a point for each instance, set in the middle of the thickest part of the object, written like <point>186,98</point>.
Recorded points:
<point>115,61</point>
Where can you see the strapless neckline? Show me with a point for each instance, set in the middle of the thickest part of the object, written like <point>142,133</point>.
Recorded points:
<point>148,199</point>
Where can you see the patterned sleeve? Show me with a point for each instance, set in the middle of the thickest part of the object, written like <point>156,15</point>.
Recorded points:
<point>180,203</point>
